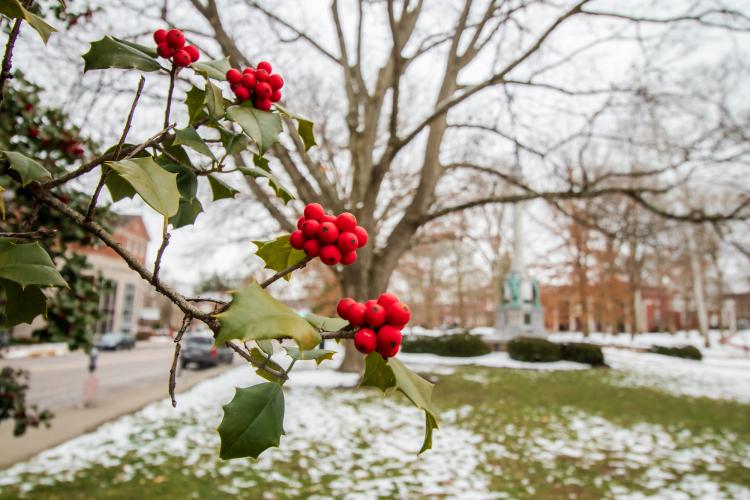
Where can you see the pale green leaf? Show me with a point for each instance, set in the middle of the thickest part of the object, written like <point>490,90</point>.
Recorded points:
<point>262,127</point>
<point>324,323</point>
<point>281,192</point>
<point>253,314</point>
<point>27,168</point>
<point>419,392</point>
<point>253,421</point>
<point>262,364</point>
<point>266,346</point>
<point>318,355</point>
<point>213,69</point>
<point>28,264</point>
<point>190,138</point>
<point>305,131</point>
<point>110,52</point>
<point>155,185</point>
<point>278,254</point>
<point>221,189</point>
<point>214,101</point>
<point>15,10</point>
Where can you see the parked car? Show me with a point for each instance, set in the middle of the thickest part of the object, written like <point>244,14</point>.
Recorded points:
<point>201,351</point>
<point>114,341</point>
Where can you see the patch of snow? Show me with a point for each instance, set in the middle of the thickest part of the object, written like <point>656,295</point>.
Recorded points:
<point>493,360</point>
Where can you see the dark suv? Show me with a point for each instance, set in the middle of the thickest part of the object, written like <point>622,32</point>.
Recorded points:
<point>201,351</point>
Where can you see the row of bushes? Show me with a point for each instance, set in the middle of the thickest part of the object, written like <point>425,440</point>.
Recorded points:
<point>538,350</point>
<point>457,345</point>
<point>686,351</point>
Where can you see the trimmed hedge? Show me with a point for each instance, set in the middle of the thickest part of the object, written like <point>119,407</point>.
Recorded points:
<point>534,350</point>
<point>685,351</point>
<point>581,352</point>
<point>457,345</point>
<point>539,350</point>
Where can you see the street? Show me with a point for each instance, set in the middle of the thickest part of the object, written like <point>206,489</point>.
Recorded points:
<point>57,381</point>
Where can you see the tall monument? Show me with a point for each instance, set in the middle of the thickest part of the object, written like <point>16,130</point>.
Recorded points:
<point>520,312</point>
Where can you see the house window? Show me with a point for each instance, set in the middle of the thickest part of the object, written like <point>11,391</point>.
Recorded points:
<point>107,301</point>
<point>127,308</point>
<point>527,319</point>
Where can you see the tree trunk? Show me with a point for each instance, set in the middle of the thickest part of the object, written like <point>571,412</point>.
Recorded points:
<point>698,295</point>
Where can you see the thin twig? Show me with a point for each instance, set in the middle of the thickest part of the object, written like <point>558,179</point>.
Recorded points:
<point>91,165</point>
<point>164,242</point>
<point>123,136</point>
<point>284,272</point>
<point>172,74</point>
<point>246,356</point>
<point>5,74</point>
<point>201,299</point>
<point>31,235</point>
<point>173,371</point>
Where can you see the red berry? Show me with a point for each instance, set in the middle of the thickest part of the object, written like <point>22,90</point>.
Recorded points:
<point>160,36</point>
<point>276,96</point>
<point>329,218</point>
<point>276,81</point>
<point>397,314</point>
<point>370,303</point>
<point>365,340</point>
<point>375,315</point>
<point>330,255</point>
<point>361,234</point>
<point>248,81</point>
<point>164,50</point>
<point>234,76</point>
<point>193,52</point>
<point>265,66</point>
<point>356,313</point>
<point>300,221</point>
<point>181,58</point>
<point>297,239</point>
<point>263,90</point>
<point>261,75</point>
<point>343,305</point>
<point>175,39</point>
<point>348,258</point>
<point>386,299</point>
<point>33,132</point>
<point>314,211</point>
<point>263,104</point>
<point>389,341</point>
<point>310,228</point>
<point>312,248</point>
<point>346,222</point>
<point>328,233</point>
<point>242,93</point>
<point>248,71</point>
<point>347,242</point>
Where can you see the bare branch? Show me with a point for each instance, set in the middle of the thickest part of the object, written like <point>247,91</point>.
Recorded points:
<point>5,73</point>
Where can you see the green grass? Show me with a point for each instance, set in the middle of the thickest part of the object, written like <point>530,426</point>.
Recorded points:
<point>538,435</point>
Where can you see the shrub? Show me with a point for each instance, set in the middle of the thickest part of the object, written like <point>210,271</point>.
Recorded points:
<point>685,351</point>
<point>535,350</point>
<point>457,345</point>
<point>582,353</point>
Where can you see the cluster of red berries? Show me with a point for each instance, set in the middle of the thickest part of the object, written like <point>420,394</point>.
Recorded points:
<point>259,84</point>
<point>380,323</point>
<point>333,239</point>
<point>171,45</point>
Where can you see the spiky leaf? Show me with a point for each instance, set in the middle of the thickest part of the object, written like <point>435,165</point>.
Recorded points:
<point>15,10</point>
<point>377,373</point>
<point>221,189</point>
<point>155,185</point>
<point>111,52</point>
<point>213,69</point>
<point>278,254</point>
<point>22,305</point>
<point>318,355</point>
<point>28,169</point>
<point>324,323</point>
<point>419,392</point>
<point>253,421</point>
<point>187,213</point>
<point>190,138</point>
<point>261,126</point>
<point>28,264</point>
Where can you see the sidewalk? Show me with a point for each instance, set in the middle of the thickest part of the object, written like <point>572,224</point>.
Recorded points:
<point>72,422</point>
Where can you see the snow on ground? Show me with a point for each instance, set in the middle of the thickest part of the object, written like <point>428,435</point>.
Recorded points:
<point>492,360</point>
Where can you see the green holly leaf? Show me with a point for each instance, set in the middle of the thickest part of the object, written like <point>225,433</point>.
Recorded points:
<point>220,189</point>
<point>213,69</point>
<point>22,305</point>
<point>190,138</point>
<point>324,323</point>
<point>187,181</point>
<point>194,100</point>
<point>214,101</point>
<point>319,355</point>
<point>110,52</point>
<point>233,143</point>
<point>253,314</point>
<point>261,126</point>
<point>27,168</point>
<point>377,373</point>
<point>281,192</point>
<point>278,254</point>
<point>253,421</point>
<point>304,127</point>
<point>118,187</point>
<point>155,185</point>
<point>262,361</point>
<point>265,346</point>
<point>28,264</point>
<point>419,392</point>
<point>14,9</point>
<point>187,213</point>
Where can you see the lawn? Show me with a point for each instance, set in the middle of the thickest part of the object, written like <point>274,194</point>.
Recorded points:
<point>505,434</point>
